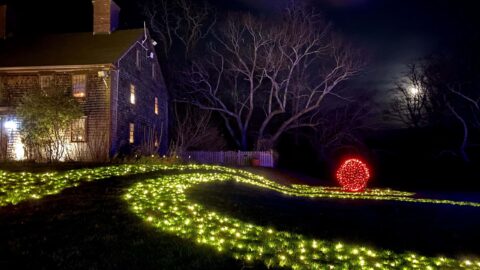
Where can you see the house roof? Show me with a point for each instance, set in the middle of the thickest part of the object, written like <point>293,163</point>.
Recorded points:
<point>66,49</point>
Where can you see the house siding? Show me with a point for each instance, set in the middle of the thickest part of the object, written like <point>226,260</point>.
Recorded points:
<point>142,113</point>
<point>96,105</point>
<point>107,102</point>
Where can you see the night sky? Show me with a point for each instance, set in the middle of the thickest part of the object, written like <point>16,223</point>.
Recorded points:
<point>393,33</point>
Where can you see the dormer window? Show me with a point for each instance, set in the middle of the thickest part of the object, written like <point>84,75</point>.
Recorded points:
<point>79,85</point>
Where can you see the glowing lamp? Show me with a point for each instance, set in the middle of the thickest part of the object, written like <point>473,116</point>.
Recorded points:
<point>353,175</point>
<point>12,125</point>
<point>18,150</point>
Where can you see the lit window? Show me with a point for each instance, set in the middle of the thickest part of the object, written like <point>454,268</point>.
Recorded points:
<point>156,106</point>
<point>45,81</point>
<point>132,94</point>
<point>131,137</point>
<point>137,62</point>
<point>79,85</point>
<point>79,130</point>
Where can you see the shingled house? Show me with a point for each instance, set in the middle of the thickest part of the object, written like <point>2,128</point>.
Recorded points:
<point>114,74</point>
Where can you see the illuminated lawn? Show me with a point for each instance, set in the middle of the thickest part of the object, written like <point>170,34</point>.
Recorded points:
<point>19,186</point>
<point>163,203</point>
<point>217,219</point>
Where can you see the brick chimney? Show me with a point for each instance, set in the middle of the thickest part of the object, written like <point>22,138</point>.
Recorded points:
<point>105,16</point>
<point>3,21</point>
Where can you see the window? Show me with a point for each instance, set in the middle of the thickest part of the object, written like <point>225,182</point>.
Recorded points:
<point>153,71</point>
<point>131,136</point>
<point>132,94</point>
<point>79,130</point>
<point>79,85</point>
<point>46,81</point>
<point>137,61</point>
<point>156,106</point>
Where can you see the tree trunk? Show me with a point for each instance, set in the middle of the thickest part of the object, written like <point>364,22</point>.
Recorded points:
<point>463,146</point>
<point>263,144</point>
<point>243,142</point>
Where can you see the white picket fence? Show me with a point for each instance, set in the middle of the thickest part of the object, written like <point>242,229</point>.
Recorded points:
<point>232,158</point>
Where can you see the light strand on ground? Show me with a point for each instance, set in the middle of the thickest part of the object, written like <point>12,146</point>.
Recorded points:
<point>16,187</point>
<point>163,203</point>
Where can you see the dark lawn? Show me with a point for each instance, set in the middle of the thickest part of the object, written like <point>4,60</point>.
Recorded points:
<point>91,227</point>
<point>428,229</point>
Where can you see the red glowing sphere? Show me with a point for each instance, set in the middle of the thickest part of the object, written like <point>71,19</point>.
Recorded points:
<point>353,175</point>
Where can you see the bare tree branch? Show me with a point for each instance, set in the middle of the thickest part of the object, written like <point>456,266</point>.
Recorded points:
<point>180,21</point>
<point>284,69</point>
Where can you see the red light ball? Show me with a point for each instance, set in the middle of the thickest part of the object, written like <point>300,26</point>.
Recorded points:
<point>353,175</point>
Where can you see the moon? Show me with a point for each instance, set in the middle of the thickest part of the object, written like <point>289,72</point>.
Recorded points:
<point>414,91</point>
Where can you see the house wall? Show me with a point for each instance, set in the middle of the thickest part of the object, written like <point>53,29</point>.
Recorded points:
<point>142,114</point>
<point>95,106</point>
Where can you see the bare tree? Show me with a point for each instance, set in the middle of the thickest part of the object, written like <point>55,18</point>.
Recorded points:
<point>271,76</point>
<point>466,113</point>
<point>193,130</point>
<point>410,102</point>
<point>344,126</point>
<point>446,94</point>
<point>181,21</point>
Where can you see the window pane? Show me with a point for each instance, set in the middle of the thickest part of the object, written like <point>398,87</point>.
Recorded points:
<point>131,138</point>
<point>45,81</point>
<point>79,130</point>
<point>132,94</point>
<point>79,85</point>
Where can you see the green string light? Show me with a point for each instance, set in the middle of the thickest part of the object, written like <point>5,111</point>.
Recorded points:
<point>16,187</point>
<point>162,202</point>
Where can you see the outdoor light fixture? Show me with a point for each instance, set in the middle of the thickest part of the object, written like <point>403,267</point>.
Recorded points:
<point>102,74</point>
<point>11,125</point>
<point>18,150</point>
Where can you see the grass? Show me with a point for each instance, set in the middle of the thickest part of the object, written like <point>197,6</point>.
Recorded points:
<point>426,229</point>
<point>92,226</point>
